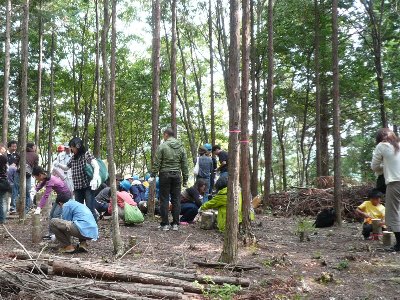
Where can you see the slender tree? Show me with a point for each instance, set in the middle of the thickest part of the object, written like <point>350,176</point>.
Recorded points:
<point>270,103</point>
<point>23,132</point>
<point>110,106</point>
<point>155,110</point>
<point>230,247</point>
<point>336,115</point>
<point>97,134</point>
<point>317,34</point>
<point>173,68</point>
<point>6,88</point>
<point>244,136</point>
<point>212,96</point>
<point>51,114</point>
<point>39,78</point>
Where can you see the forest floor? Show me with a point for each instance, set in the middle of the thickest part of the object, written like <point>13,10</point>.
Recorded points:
<point>336,263</point>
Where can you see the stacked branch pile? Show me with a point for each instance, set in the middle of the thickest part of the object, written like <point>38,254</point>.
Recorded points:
<point>310,201</point>
<point>72,278</point>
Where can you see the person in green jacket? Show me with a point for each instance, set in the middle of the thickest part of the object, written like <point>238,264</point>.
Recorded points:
<point>170,163</point>
<point>219,202</point>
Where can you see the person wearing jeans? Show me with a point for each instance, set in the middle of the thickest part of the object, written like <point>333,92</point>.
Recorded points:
<point>191,201</point>
<point>170,162</point>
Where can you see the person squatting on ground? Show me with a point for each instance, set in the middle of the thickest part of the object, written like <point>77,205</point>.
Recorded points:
<point>191,201</point>
<point>371,209</point>
<point>32,160</point>
<point>77,221</point>
<point>205,169</point>
<point>84,187</point>
<point>386,161</point>
<point>63,158</point>
<point>50,183</point>
<point>170,162</point>
<point>5,187</point>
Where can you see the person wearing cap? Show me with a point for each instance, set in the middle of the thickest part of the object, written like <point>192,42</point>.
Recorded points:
<point>205,169</point>
<point>171,165</point>
<point>137,189</point>
<point>63,158</point>
<point>371,209</point>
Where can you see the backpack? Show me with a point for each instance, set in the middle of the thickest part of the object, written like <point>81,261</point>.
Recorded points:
<point>103,172</point>
<point>132,214</point>
<point>325,218</point>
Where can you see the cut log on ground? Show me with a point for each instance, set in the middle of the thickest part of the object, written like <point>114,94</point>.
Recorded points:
<point>220,265</point>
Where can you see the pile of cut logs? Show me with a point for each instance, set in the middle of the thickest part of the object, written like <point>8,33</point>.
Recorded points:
<point>310,201</point>
<point>52,277</point>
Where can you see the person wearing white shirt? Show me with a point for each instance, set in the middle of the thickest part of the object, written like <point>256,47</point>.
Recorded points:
<point>63,158</point>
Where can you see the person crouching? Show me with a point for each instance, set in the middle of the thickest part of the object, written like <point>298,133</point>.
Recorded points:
<point>191,201</point>
<point>371,209</point>
<point>77,221</point>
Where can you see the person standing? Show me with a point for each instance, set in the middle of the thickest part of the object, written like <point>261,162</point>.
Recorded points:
<point>5,187</point>
<point>171,165</point>
<point>386,160</point>
<point>205,169</point>
<point>222,158</point>
<point>32,160</point>
<point>84,187</point>
<point>12,157</point>
<point>63,158</point>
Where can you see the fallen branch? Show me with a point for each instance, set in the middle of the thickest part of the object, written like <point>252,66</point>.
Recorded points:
<point>220,265</point>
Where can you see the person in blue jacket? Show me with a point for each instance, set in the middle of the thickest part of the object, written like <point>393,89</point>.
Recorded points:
<point>77,221</point>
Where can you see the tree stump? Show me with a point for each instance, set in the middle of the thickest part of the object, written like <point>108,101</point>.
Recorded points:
<point>387,238</point>
<point>36,229</point>
<point>207,220</point>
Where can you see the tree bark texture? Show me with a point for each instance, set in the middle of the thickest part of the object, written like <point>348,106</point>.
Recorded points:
<point>230,246</point>
<point>97,135</point>
<point>173,69</point>
<point>317,33</point>
<point>51,100</point>
<point>39,79</point>
<point>270,103</point>
<point>6,84</point>
<point>23,130</point>
<point>336,116</point>
<point>212,98</point>
<point>155,110</point>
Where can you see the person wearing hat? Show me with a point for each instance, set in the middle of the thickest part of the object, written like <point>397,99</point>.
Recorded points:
<point>371,209</point>
<point>63,158</point>
<point>205,169</point>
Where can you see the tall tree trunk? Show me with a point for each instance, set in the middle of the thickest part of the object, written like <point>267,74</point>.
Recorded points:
<point>110,109</point>
<point>6,87</point>
<point>97,135</point>
<point>280,132</point>
<point>212,99</point>
<point>155,110</point>
<point>270,103</point>
<point>375,22</point>
<point>51,115</point>
<point>80,80</point>
<point>173,69</point>
<point>336,115</point>
<point>324,129</point>
<point>230,247</point>
<point>75,90</point>
<point>222,42</point>
<point>39,78</point>
<point>23,132</point>
<point>244,136</point>
<point>317,33</point>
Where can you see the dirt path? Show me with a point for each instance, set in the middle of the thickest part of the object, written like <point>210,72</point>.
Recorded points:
<point>353,268</point>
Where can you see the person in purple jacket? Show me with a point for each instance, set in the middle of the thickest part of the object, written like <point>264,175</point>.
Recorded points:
<point>50,183</point>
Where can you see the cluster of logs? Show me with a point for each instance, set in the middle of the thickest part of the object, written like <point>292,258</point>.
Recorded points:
<point>310,201</point>
<point>61,278</point>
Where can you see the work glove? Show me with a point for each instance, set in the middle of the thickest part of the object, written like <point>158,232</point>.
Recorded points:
<point>95,183</point>
<point>150,180</point>
<point>37,210</point>
<point>56,164</point>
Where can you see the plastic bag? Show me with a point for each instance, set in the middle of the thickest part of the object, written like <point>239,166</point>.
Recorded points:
<point>132,214</point>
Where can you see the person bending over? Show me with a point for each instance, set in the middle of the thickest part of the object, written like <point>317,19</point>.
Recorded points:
<point>191,201</point>
<point>371,209</point>
<point>77,221</point>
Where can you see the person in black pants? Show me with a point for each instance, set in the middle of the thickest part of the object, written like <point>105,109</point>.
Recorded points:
<point>191,201</point>
<point>170,162</point>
